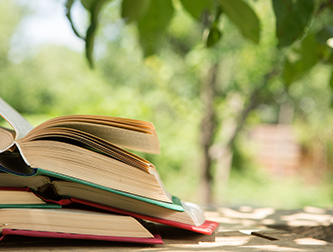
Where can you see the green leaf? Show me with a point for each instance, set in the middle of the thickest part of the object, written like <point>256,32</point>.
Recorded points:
<point>132,10</point>
<point>244,17</point>
<point>213,36</point>
<point>304,9</point>
<point>88,4</point>
<point>331,86</point>
<point>309,55</point>
<point>153,24</point>
<point>331,80</point>
<point>310,52</point>
<point>94,7</point>
<point>197,8</point>
<point>68,6</point>
<point>289,74</point>
<point>330,57</point>
<point>292,17</point>
<point>324,34</point>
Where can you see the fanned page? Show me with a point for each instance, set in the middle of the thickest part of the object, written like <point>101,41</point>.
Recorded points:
<point>127,133</point>
<point>7,138</point>
<point>17,121</point>
<point>88,141</point>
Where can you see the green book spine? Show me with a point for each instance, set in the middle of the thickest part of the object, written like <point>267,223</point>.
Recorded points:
<point>176,205</point>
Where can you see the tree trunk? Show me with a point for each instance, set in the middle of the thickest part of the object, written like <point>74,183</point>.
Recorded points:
<point>208,127</point>
<point>221,154</point>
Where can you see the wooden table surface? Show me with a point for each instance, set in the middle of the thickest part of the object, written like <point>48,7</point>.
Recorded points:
<point>241,229</point>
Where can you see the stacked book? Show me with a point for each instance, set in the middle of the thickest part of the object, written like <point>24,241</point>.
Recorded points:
<point>73,177</point>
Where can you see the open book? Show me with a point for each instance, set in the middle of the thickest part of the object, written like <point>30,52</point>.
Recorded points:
<point>86,147</point>
<point>86,159</point>
<point>74,224</point>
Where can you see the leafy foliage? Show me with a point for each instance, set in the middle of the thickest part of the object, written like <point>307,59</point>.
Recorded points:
<point>153,24</point>
<point>198,9</point>
<point>243,16</point>
<point>292,17</point>
<point>94,7</point>
<point>134,10</point>
<point>152,20</point>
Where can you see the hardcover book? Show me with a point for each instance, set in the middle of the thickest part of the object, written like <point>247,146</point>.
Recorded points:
<point>75,224</point>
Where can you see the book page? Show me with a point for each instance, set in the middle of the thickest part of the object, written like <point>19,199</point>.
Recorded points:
<point>33,182</point>
<point>120,136</point>
<point>73,221</point>
<point>128,139</point>
<point>7,138</point>
<point>13,197</point>
<point>16,120</point>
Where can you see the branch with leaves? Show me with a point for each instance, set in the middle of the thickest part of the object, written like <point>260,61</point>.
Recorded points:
<point>293,23</point>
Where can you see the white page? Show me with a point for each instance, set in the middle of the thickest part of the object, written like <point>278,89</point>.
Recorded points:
<point>17,121</point>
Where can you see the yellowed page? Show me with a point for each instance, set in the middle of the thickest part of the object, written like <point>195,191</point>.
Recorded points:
<point>33,182</point>
<point>7,138</point>
<point>85,165</point>
<point>19,197</point>
<point>72,221</point>
<point>125,137</point>
<point>133,140</point>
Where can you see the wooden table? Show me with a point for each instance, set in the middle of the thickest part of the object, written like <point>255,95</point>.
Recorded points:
<point>242,229</point>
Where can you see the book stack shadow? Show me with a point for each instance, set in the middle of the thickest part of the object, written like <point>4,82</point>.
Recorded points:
<point>73,177</point>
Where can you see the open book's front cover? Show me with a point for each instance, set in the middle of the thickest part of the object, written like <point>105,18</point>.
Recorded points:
<point>41,234</point>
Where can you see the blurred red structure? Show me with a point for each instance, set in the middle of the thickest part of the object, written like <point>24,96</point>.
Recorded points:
<point>279,153</point>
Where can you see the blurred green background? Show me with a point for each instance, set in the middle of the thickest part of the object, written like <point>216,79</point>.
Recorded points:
<point>271,141</point>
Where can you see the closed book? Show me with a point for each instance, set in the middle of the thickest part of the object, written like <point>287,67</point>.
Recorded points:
<point>75,224</point>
